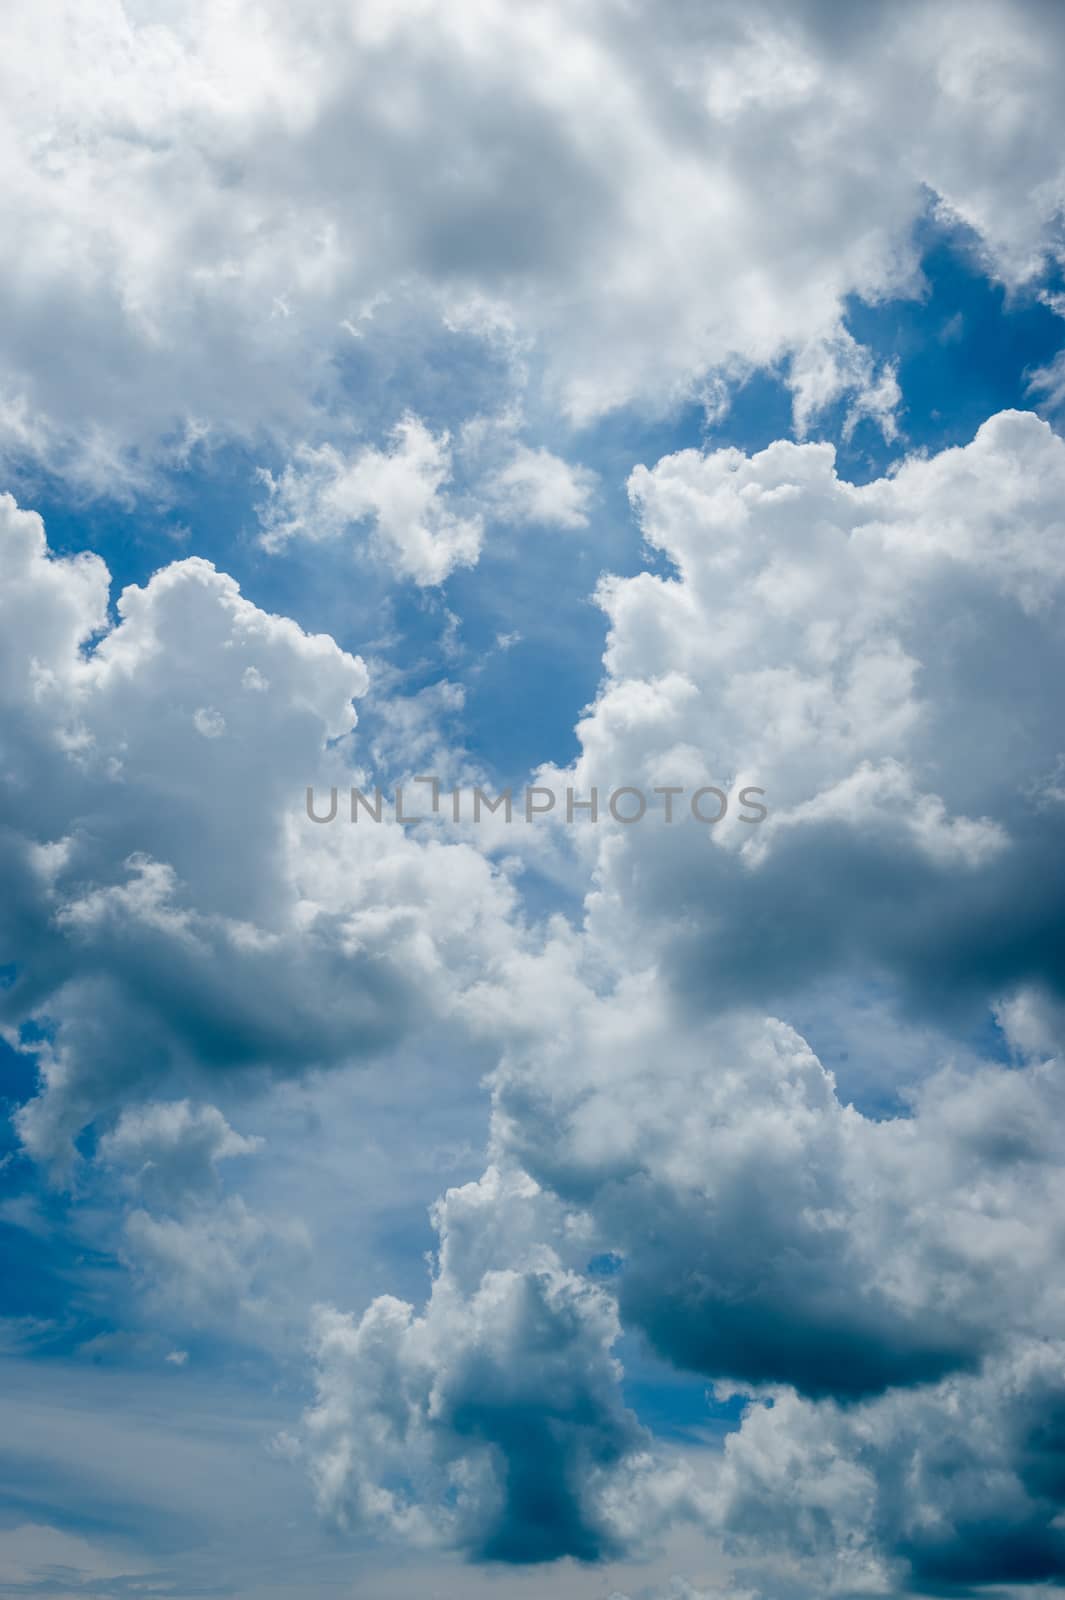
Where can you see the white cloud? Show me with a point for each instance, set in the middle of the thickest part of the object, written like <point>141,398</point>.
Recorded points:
<point>876,656</point>
<point>172,912</point>
<point>492,1422</point>
<point>898,1272</point>
<point>172,1147</point>
<point>200,1258</point>
<point>422,528</point>
<point>202,205</point>
<point>221,1267</point>
<point>823,371</point>
<point>1033,1023</point>
<point>899,1249</point>
<point>182,920</point>
<point>538,487</point>
<point>322,495</point>
<point>1048,383</point>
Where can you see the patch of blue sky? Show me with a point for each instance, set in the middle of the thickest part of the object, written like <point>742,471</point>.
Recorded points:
<point>678,1407</point>
<point>965,349</point>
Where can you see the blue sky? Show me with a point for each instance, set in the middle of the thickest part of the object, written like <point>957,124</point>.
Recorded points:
<point>655,396</point>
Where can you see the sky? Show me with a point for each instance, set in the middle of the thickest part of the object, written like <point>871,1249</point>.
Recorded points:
<point>652,414</point>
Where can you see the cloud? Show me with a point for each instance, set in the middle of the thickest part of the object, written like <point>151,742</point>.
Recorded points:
<point>771,1233</point>
<point>822,372</point>
<point>420,528</point>
<point>399,490</point>
<point>874,658</point>
<point>681,1589</point>
<point>493,1421</point>
<point>538,487</point>
<point>218,1266</point>
<point>38,1558</point>
<point>176,918</point>
<point>637,202</point>
<point>887,1286</point>
<point>944,1491</point>
<point>173,914</point>
<point>200,1258</point>
<point>897,1274</point>
<point>173,1147</point>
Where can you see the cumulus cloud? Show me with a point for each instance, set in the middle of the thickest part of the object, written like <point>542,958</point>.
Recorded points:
<point>899,1274</point>
<point>874,656</point>
<point>172,911</point>
<point>172,1147</point>
<point>834,645</point>
<point>771,1233</point>
<point>200,1258</point>
<point>886,1288</point>
<point>493,1421</point>
<point>399,490</point>
<point>639,201</point>
<point>218,222</point>
<point>536,486</point>
<point>944,1491</point>
<point>838,644</point>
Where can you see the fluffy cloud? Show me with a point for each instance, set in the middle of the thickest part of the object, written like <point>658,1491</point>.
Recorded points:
<point>173,913</point>
<point>898,1274</point>
<point>421,528</point>
<point>772,1233</point>
<point>874,656</point>
<point>400,490</point>
<point>200,1259</point>
<point>494,1420</point>
<point>536,486</point>
<point>241,223</point>
<point>943,1491</point>
<point>173,1147</point>
<point>861,652</point>
<point>217,202</point>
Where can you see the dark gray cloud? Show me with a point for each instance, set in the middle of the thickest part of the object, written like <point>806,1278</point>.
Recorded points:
<point>948,1491</point>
